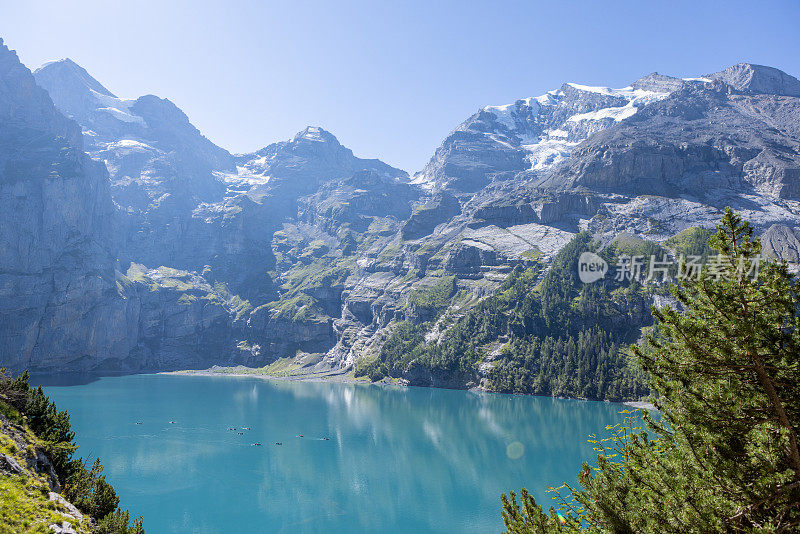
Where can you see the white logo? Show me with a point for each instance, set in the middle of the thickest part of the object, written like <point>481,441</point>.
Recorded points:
<point>591,267</point>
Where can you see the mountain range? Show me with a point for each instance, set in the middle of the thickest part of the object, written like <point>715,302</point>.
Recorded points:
<point>130,242</point>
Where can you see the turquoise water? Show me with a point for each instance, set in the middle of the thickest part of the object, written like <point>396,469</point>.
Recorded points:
<point>397,459</point>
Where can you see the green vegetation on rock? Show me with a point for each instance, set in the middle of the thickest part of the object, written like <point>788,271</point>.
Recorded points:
<point>25,505</point>
<point>435,298</point>
<point>546,336</point>
<point>723,455</point>
<point>691,242</point>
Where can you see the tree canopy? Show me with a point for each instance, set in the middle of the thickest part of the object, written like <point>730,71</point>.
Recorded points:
<point>722,455</point>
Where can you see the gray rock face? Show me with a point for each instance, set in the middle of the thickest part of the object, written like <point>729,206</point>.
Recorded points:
<point>750,78</point>
<point>9,466</point>
<point>782,242</point>
<point>71,509</point>
<point>55,271</point>
<point>470,256</point>
<point>26,106</point>
<point>696,141</point>
<point>533,134</point>
<point>27,458</point>
<point>658,83</point>
<point>176,319</point>
<point>427,216</point>
<point>31,462</point>
<point>161,167</point>
<point>355,200</point>
<point>64,528</point>
<point>279,334</point>
<point>63,306</point>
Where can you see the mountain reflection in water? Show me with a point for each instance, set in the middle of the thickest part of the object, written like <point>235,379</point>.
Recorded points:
<point>397,459</point>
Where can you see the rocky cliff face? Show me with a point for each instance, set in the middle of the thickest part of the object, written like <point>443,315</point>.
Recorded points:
<point>63,304</point>
<point>160,166</point>
<point>302,247</point>
<point>56,271</point>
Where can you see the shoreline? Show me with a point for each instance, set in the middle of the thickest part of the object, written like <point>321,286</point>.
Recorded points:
<point>343,378</point>
<point>322,377</point>
<point>641,405</point>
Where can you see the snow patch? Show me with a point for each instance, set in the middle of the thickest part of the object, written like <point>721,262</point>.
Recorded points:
<point>636,98</point>
<point>546,99</point>
<point>617,113</point>
<point>117,107</point>
<point>502,115</point>
<point>548,148</point>
<point>507,114</point>
<point>422,180</point>
<point>312,133</point>
<point>625,92</point>
<point>128,143</point>
<point>548,152</point>
<point>243,176</point>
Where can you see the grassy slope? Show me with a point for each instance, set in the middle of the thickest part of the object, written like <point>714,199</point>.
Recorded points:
<point>24,503</point>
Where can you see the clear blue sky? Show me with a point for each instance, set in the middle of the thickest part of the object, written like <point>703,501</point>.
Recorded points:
<point>389,79</point>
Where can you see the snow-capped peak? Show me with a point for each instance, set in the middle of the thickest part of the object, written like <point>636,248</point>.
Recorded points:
<point>547,127</point>
<point>77,93</point>
<point>70,76</point>
<point>316,134</point>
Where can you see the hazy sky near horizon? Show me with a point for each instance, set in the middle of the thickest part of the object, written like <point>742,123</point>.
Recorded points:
<point>389,79</point>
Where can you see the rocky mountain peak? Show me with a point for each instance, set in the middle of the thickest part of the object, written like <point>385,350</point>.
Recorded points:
<point>154,123</point>
<point>312,154</point>
<point>23,104</point>
<point>658,82</point>
<point>162,114</point>
<point>315,134</point>
<point>750,78</point>
<point>81,97</point>
<point>534,134</point>
<point>70,76</point>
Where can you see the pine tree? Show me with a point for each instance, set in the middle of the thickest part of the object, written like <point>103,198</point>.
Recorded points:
<point>723,456</point>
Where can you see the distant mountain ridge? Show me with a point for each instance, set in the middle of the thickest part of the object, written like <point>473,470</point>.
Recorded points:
<point>303,251</point>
